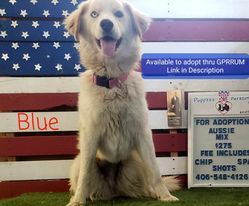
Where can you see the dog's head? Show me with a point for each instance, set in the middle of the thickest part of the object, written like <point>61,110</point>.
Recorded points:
<point>109,30</point>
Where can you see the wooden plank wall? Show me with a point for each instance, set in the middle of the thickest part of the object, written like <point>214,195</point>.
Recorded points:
<point>35,157</point>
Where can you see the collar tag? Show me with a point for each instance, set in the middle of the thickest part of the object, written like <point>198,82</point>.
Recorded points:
<point>110,83</point>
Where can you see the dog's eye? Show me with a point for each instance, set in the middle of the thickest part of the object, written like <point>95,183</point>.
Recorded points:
<point>119,14</point>
<point>94,14</point>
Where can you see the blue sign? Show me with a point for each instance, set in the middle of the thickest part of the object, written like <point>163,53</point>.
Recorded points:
<point>197,66</point>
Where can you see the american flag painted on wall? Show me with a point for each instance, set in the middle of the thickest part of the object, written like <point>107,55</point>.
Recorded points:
<point>37,8</point>
<point>33,41</point>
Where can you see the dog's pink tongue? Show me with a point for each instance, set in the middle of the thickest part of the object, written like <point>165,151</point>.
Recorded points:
<point>108,47</point>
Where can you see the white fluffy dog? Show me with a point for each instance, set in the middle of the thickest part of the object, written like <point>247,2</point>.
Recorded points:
<point>117,156</point>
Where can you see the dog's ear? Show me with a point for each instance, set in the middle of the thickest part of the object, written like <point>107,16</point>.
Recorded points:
<point>73,22</point>
<point>140,22</point>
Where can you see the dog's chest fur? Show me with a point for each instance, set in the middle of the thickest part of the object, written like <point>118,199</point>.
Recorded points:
<point>118,137</point>
<point>116,115</point>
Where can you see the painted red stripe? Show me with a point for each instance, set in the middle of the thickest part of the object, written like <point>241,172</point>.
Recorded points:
<point>15,188</point>
<point>157,100</point>
<point>66,145</point>
<point>38,146</point>
<point>170,142</point>
<point>29,102</point>
<point>204,30</point>
<point>24,102</point>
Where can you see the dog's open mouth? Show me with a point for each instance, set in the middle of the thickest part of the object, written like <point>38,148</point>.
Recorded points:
<point>108,45</point>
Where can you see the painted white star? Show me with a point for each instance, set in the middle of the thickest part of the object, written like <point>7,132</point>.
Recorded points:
<point>2,12</point>
<point>35,24</point>
<point>12,1</point>
<point>5,57</point>
<point>33,1</point>
<point>67,56</point>
<point>46,34</point>
<point>38,67</point>
<point>77,67</point>
<point>57,24</point>
<point>66,34</point>
<point>24,13</point>
<point>76,46</point>
<point>56,45</point>
<point>25,34</point>
<point>74,2</point>
<point>15,66</point>
<point>15,45</point>
<point>58,67</point>
<point>14,24</point>
<point>54,2</point>
<point>65,13</point>
<point>3,34</point>
<point>35,45</point>
<point>46,13</point>
<point>26,56</point>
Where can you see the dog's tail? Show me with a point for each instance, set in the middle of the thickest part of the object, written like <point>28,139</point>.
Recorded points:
<point>172,183</point>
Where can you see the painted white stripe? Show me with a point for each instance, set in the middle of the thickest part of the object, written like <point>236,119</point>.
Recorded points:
<point>34,170</point>
<point>158,120</point>
<point>71,85</point>
<point>65,121</point>
<point>195,47</point>
<point>59,169</point>
<point>196,85</point>
<point>193,8</point>
<point>172,165</point>
<point>39,84</point>
<point>38,121</point>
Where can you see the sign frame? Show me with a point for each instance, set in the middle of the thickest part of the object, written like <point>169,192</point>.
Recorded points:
<point>194,113</point>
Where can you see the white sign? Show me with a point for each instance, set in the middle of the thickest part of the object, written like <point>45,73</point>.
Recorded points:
<point>218,139</point>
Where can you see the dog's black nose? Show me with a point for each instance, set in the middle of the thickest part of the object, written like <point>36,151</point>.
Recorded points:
<point>106,25</point>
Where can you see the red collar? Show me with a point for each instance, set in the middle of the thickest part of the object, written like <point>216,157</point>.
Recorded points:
<point>109,82</point>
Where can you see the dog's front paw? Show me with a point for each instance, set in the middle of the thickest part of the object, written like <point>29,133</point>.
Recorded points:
<point>72,203</point>
<point>76,201</point>
<point>169,198</point>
